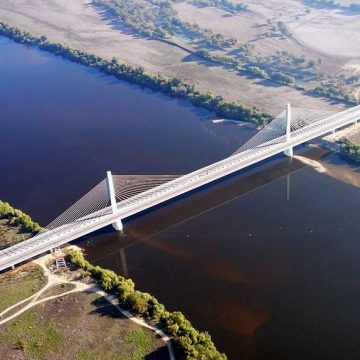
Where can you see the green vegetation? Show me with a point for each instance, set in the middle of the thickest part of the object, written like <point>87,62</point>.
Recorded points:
<point>48,332</point>
<point>276,28</point>
<point>10,235</point>
<point>20,284</point>
<point>331,90</point>
<point>283,29</point>
<point>27,337</point>
<point>34,340</point>
<point>218,59</point>
<point>145,18</point>
<point>169,86</point>
<point>350,149</point>
<point>158,19</point>
<point>283,78</point>
<point>227,5</point>
<point>256,71</point>
<point>17,217</point>
<point>252,70</point>
<point>189,343</point>
<point>142,342</point>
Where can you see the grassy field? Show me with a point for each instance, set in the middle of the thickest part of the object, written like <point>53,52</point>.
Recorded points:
<point>19,284</point>
<point>10,235</point>
<point>77,326</point>
<point>56,290</point>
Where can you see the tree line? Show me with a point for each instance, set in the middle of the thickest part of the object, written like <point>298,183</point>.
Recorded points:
<point>350,149</point>
<point>250,69</point>
<point>189,343</point>
<point>16,217</point>
<point>226,5</point>
<point>173,87</point>
<point>158,19</point>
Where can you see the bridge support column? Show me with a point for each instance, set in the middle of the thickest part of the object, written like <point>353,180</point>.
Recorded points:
<point>117,225</point>
<point>289,151</point>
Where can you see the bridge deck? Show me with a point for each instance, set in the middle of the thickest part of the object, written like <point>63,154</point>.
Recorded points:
<point>135,204</point>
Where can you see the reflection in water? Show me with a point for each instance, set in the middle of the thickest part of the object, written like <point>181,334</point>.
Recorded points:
<point>242,258</point>
<point>125,271</point>
<point>268,275</point>
<point>288,184</point>
<point>202,202</point>
<point>65,125</point>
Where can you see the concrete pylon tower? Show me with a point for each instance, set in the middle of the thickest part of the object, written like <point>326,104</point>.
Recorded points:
<point>289,151</point>
<point>117,225</point>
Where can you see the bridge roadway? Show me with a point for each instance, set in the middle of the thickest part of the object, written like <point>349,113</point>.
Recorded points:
<point>48,240</point>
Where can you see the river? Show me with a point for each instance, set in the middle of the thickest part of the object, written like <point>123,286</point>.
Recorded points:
<point>267,261</point>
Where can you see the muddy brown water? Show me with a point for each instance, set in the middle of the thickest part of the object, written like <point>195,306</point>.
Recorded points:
<point>268,260</point>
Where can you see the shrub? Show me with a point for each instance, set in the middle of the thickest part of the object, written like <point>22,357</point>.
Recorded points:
<point>349,149</point>
<point>283,78</point>
<point>256,71</point>
<point>17,217</point>
<point>189,343</point>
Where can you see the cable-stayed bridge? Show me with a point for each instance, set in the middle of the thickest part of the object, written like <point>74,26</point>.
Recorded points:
<point>120,196</point>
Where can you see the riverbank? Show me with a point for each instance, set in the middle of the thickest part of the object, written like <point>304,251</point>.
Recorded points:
<point>188,342</point>
<point>84,27</point>
<point>43,324</point>
<point>15,226</point>
<point>345,142</point>
<point>172,87</point>
<point>350,150</point>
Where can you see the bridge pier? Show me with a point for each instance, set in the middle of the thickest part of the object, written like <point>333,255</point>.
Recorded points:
<point>290,150</point>
<point>117,225</point>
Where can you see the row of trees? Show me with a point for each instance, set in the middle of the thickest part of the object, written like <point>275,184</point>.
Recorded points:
<point>17,217</point>
<point>252,70</point>
<point>158,19</point>
<point>227,5</point>
<point>281,26</point>
<point>278,27</point>
<point>349,149</point>
<point>149,19</point>
<point>173,87</point>
<point>332,91</point>
<point>204,36</point>
<point>189,343</point>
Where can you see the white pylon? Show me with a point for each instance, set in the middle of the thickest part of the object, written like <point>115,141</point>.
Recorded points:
<point>117,225</point>
<point>290,150</point>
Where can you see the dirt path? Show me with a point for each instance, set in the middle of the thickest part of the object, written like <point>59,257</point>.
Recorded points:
<point>54,280</point>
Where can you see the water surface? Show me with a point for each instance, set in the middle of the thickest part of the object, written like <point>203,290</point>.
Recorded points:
<point>267,260</point>
<point>63,125</point>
